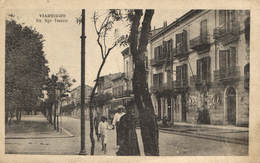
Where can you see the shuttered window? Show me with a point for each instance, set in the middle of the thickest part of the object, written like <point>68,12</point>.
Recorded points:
<point>160,79</point>
<point>203,69</point>
<point>184,41</point>
<point>203,30</point>
<point>222,59</point>
<point>227,58</point>
<point>178,73</point>
<point>222,17</point>
<point>233,59</point>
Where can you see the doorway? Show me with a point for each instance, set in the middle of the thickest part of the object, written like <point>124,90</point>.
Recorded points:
<point>231,105</point>
<point>169,107</point>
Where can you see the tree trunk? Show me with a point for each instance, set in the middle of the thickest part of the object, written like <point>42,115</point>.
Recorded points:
<point>54,116</point>
<point>20,115</point>
<point>6,117</point>
<point>148,121</point>
<point>91,106</point>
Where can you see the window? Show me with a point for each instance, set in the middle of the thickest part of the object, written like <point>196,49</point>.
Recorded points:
<point>222,17</point>
<point>181,73</point>
<point>158,79</point>
<point>227,18</point>
<point>203,30</point>
<point>203,69</point>
<point>181,42</point>
<point>227,58</point>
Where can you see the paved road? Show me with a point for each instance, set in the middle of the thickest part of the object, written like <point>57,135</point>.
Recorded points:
<point>170,144</point>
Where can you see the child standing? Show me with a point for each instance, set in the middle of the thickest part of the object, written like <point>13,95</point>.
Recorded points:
<point>102,131</point>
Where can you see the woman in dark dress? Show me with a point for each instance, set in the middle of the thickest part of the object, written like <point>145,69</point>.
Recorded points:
<point>128,144</point>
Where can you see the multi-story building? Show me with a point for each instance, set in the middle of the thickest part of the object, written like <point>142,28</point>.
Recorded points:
<point>75,94</point>
<point>75,100</point>
<point>201,61</point>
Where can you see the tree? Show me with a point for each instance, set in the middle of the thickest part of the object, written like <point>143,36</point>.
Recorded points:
<point>26,69</point>
<point>57,88</point>
<point>138,46</point>
<point>103,29</point>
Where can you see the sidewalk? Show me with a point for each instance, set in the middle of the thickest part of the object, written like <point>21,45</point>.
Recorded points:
<point>33,127</point>
<point>230,134</point>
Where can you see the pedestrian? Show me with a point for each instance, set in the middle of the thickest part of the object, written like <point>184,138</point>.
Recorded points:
<point>115,122</point>
<point>127,130</point>
<point>102,131</point>
<point>96,123</point>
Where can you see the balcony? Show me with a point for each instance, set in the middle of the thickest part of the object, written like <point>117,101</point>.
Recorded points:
<point>200,43</point>
<point>181,84</point>
<point>227,74</point>
<point>158,61</point>
<point>166,58</point>
<point>122,94</point>
<point>227,33</point>
<point>174,86</point>
<point>161,87</point>
<point>180,52</point>
<point>198,81</point>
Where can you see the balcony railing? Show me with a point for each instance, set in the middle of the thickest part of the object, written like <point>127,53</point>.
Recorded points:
<point>200,43</point>
<point>122,94</point>
<point>181,51</point>
<point>227,73</point>
<point>172,86</point>
<point>158,61</point>
<point>167,57</point>
<point>198,81</point>
<point>229,31</point>
<point>180,84</point>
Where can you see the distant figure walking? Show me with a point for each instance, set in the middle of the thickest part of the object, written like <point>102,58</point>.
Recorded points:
<point>115,122</point>
<point>102,131</point>
<point>96,123</point>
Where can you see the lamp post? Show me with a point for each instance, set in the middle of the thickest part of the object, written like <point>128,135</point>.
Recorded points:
<point>82,113</point>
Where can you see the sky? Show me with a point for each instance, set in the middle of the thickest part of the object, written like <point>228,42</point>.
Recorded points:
<point>62,43</point>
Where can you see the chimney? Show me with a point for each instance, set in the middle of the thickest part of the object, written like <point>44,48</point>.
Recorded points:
<point>164,24</point>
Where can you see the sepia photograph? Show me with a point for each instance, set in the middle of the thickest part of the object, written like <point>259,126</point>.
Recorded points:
<point>127,82</point>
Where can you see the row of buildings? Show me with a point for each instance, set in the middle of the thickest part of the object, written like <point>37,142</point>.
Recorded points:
<point>201,60</point>
<point>198,62</point>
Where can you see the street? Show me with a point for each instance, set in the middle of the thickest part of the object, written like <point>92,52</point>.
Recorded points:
<point>170,144</point>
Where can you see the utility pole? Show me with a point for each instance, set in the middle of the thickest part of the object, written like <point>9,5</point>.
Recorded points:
<point>82,114</point>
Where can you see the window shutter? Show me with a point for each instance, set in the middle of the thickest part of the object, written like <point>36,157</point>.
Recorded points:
<point>178,73</point>
<point>155,53</point>
<point>160,79</point>
<point>203,30</point>
<point>233,56</point>
<point>184,41</point>
<point>178,42</point>
<point>222,59</point>
<point>222,17</point>
<point>198,69</point>
<point>184,72</point>
<point>228,61</point>
<point>208,68</point>
<point>171,46</point>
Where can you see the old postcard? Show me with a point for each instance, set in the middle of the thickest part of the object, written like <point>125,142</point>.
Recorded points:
<point>81,79</point>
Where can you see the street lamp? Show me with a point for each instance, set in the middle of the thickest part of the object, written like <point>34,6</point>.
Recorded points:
<point>82,113</point>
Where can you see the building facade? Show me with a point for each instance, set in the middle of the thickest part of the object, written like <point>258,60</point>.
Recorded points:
<point>199,68</point>
<point>75,100</point>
